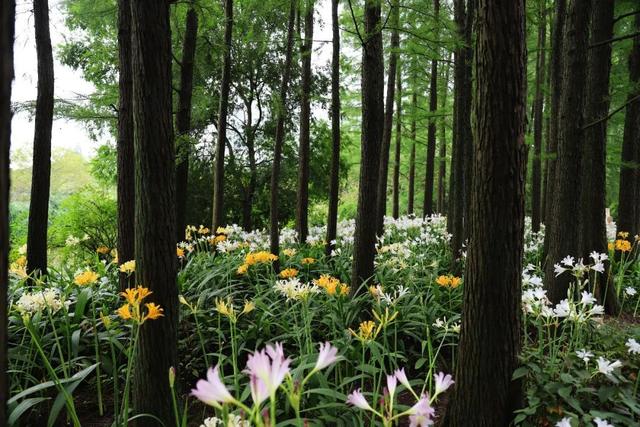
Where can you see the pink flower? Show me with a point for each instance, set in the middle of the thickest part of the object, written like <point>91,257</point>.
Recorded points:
<point>443,382</point>
<point>357,399</point>
<point>267,369</point>
<point>327,356</point>
<point>212,391</point>
<point>392,382</point>
<point>402,377</point>
<point>422,413</point>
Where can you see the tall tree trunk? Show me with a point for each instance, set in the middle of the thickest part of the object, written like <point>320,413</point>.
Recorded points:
<point>372,89</point>
<point>555,87</point>
<point>427,205</point>
<point>465,117</point>
<point>442,169</point>
<point>306,49</point>
<point>412,155</point>
<point>279,142</point>
<point>183,119</point>
<point>547,137</point>
<point>593,234</point>
<point>156,260</point>
<point>536,173</point>
<point>218,183</point>
<point>562,233</point>
<point>334,184</point>
<point>628,210</point>
<point>490,339</point>
<point>247,202</point>
<point>126,158</point>
<point>41,172</point>
<point>7,28</point>
<point>383,170</point>
<point>396,160</point>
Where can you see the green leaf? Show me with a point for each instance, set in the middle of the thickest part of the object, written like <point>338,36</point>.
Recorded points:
<point>25,405</point>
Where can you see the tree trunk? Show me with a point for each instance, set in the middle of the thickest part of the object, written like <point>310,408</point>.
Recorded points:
<point>306,49</point>
<point>491,321</point>
<point>218,183</point>
<point>442,169</point>
<point>7,28</point>
<point>383,170</point>
<point>562,233</point>
<point>183,120</point>
<point>593,235</point>
<point>279,142</point>
<point>465,118</point>
<point>555,70</point>
<point>396,161</point>
<point>427,205</point>
<point>247,204</point>
<point>372,88</point>
<point>412,155</point>
<point>628,210</point>
<point>41,172</point>
<point>126,159</point>
<point>536,173</point>
<point>156,260</point>
<point>334,184</point>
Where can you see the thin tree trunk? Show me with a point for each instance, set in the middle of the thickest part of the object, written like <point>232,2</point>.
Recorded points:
<point>465,119</point>
<point>555,70</point>
<point>334,184</point>
<point>490,338</point>
<point>562,233</point>
<point>247,203</point>
<point>383,170</point>
<point>412,155</point>
<point>279,142</point>
<point>218,183</point>
<point>396,161</point>
<point>183,119</point>
<point>442,169</point>
<point>593,235</point>
<point>126,158</point>
<point>372,127</point>
<point>156,260</point>
<point>547,137</point>
<point>306,49</point>
<point>536,173</point>
<point>41,171</point>
<point>7,28</point>
<point>427,205</point>
<point>628,210</point>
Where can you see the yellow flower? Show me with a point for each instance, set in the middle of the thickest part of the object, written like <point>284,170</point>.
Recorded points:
<point>103,250</point>
<point>21,262</point>
<point>182,300</point>
<point>143,293</point>
<point>376,291</point>
<point>290,252</point>
<point>180,252</point>
<point>442,280</point>
<point>331,288</point>
<point>221,230</point>
<point>87,277</point>
<point>288,273</point>
<point>128,267</point>
<point>114,255</point>
<point>224,308</point>
<point>131,295</point>
<point>325,280</point>
<point>124,312</point>
<point>154,311</point>
<point>623,234</point>
<point>308,260</point>
<point>203,230</point>
<point>449,281</point>
<point>249,306</point>
<point>106,320</point>
<point>345,289</point>
<point>623,245</point>
<point>243,269</point>
<point>367,331</point>
<point>455,282</point>
<point>611,246</point>
<point>262,257</point>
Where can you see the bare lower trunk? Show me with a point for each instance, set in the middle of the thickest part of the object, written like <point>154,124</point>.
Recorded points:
<point>536,173</point>
<point>396,160</point>
<point>412,155</point>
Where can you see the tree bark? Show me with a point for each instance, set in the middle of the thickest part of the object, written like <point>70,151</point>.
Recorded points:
<point>536,173</point>
<point>427,205</point>
<point>218,183</point>
<point>396,161</point>
<point>593,234</point>
<point>442,169</point>
<point>306,49</point>
<point>41,172</point>
<point>412,155</point>
<point>156,260</point>
<point>555,70</point>
<point>562,233</point>
<point>491,321</point>
<point>628,210</point>
<point>372,127</point>
<point>383,170</point>
<point>125,150</point>
<point>334,183</point>
<point>183,120</point>
<point>7,28</point>
<point>279,142</point>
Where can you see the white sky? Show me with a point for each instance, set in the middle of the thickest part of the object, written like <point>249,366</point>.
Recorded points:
<point>69,83</point>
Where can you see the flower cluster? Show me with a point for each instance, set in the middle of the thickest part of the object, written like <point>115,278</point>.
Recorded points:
<point>449,281</point>
<point>295,290</point>
<point>132,309</point>
<point>332,285</point>
<point>227,309</point>
<point>85,278</point>
<point>34,302</point>
<point>128,267</point>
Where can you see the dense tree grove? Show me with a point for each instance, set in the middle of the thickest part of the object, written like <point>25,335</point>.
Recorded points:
<point>320,212</point>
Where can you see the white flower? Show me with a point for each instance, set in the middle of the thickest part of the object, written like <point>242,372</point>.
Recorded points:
<point>587,298</point>
<point>563,309</point>
<point>598,266</point>
<point>328,354</point>
<point>357,399</point>
<point>568,261</point>
<point>392,382</point>
<point>402,377</point>
<point>633,346</point>
<point>443,382</point>
<point>558,269</point>
<point>585,355</point>
<point>596,310</point>
<point>565,422</point>
<point>605,367</point>
<point>602,423</point>
<point>630,291</point>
